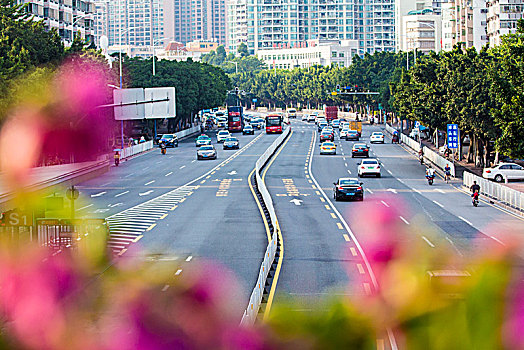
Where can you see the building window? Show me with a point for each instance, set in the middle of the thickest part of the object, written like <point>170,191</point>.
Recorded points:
<point>334,54</point>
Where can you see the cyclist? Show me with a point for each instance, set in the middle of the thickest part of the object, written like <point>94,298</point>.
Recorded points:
<point>447,173</point>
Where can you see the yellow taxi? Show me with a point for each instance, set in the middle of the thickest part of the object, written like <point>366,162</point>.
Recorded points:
<point>328,148</point>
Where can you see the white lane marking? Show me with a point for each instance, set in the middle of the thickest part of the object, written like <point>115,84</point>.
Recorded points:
<point>129,175</point>
<point>171,157</point>
<point>346,164</point>
<point>115,205</point>
<point>437,203</point>
<point>401,181</point>
<point>98,194</point>
<point>194,160</point>
<point>189,258</point>
<point>405,221</point>
<point>87,206</point>
<point>438,190</point>
<point>391,336</point>
<point>182,167</point>
<point>149,183</point>
<point>416,191</point>
<point>453,244</point>
<point>387,205</point>
<point>428,242</point>
<point>178,272</point>
<point>147,167</point>
<point>367,189</point>
<point>169,173</point>
<point>121,194</point>
<point>344,158</point>
<point>466,221</point>
<point>389,171</point>
<point>349,171</point>
<point>497,240</point>
<point>146,193</point>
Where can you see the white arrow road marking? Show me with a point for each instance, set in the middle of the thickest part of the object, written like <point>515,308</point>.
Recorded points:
<point>146,193</point>
<point>121,194</point>
<point>149,183</point>
<point>392,190</point>
<point>296,201</point>
<point>98,194</point>
<point>232,172</point>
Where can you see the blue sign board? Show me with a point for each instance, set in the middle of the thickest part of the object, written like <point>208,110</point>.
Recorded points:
<point>453,136</point>
<point>254,100</point>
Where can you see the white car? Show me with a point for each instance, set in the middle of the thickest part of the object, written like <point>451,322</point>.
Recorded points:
<point>222,135</point>
<point>311,118</point>
<point>343,133</point>
<point>305,117</point>
<point>369,166</point>
<point>376,137</point>
<point>503,171</point>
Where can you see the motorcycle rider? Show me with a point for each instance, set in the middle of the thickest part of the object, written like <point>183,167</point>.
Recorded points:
<point>430,172</point>
<point>163,148</point>
<point>475,188</point>
<point>447,172</point>
<point>116,156</point>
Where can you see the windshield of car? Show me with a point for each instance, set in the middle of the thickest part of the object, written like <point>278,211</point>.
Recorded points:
<point>328,144</point>
<point>360,145</point>
<point>206,148</point>
<point>203,137</point>
<point>248,127</point>
<point>223,132</point>
<point>325,132</point>
<point>377,134</point>
<point>231,139</point>
<point>352,132</point>
<point>167,137</point>
<point>372,162</point>
<point>349,183</point>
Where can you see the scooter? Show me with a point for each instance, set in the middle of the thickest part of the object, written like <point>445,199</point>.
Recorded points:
<point>163,148</point>
<point>430,179</point>
<point>475,201</point>
<point>117,161</point>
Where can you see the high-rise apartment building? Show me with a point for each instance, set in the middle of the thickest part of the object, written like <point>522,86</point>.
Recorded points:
<point>502,18</point>
<point>291,23</point>
<point>423,31</point>
<point>464,21</point>
<point>236,23</point>
<point>68,17</point>
<point>130,22</point>
<point>190,20</point>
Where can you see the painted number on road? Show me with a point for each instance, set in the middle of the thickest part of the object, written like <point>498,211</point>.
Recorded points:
<point>223,188</point>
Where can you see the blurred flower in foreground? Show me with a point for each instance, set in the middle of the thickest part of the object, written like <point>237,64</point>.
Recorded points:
<point>55,116</point>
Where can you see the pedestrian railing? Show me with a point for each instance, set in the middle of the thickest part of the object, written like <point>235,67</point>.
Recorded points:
<point>414,145</point>
<point>501,193</point>
<point>136,149</point>
<point>438,160</point>
<point>390,129</point>
<point>251,312</point>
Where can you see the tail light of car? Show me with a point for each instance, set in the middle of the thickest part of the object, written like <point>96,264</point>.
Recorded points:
<point>359,188</point>
<point>340,188</point>
<point>362,167</point>
<point>366,149</point>
<point>378,166</point>
<point>488,171</point>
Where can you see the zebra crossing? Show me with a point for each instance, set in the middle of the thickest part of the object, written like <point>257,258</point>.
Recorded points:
<point>129,225</point>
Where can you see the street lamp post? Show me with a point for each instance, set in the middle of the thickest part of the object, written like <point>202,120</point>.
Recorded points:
<point>154,51</point>
<point>236,66</point>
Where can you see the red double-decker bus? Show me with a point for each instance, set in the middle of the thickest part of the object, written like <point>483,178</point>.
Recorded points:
<point>274,124</point>
<point>235,122</point>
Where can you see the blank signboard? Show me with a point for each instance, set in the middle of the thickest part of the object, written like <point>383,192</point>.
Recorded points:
<point>131,109</point>
<point>160,109</point>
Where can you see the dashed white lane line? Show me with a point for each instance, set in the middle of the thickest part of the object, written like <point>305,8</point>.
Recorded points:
<point>367,189</point>
<point>466,221</point>
<point>87,206</point>
<point>387,205</point>
<point>169,173</point>
<point>349,171</point>
<point>428,242</point>
<point>346,164</point>
<point>367,288</point>
<point>405,221</point>
<point>497,240</point>
<point>389,171</point>
<point>437,203</point>
<point>149,183</point>
<point>189,258</point>
<point>194,160</point>
<point>438,190</point>
<point>178,272</point>
<point>416,191</point>
<point>353,251</point>
<point>121,194</point>
<point>129,175</point>
<point>182,167</point>
<point>361,269</point>
<point>98,194</point>
<point>453,245</point>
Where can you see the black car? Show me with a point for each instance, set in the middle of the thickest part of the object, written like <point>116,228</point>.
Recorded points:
<point>170,140</point>
<point>352,135</point>
<point>248,130</point>
<point>360,150</point>
<point>348,188</point>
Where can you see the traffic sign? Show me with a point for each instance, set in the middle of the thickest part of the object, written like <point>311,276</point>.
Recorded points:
<point>72,193</point>
<point>453,136</point>
<point>255,100</point>
<point>17,218</point>
<point>417,125</point>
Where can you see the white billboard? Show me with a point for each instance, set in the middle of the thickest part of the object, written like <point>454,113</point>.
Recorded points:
<point>160,108</point>
<point>132,104</point>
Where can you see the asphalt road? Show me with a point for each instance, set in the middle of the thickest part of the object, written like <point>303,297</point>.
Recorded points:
<point>175,207</point>
<point>325,241</point>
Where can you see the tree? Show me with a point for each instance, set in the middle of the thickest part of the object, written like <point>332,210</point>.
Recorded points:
<point>242,50</point>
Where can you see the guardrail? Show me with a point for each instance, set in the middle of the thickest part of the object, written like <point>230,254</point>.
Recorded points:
<point>429,154</point>
<point>188,132</point>
<point>136,149</point>
<point>501,193</point>
<point>251,312</point>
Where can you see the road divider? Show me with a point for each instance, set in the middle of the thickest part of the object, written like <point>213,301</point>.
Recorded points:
<point>274,235</point>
